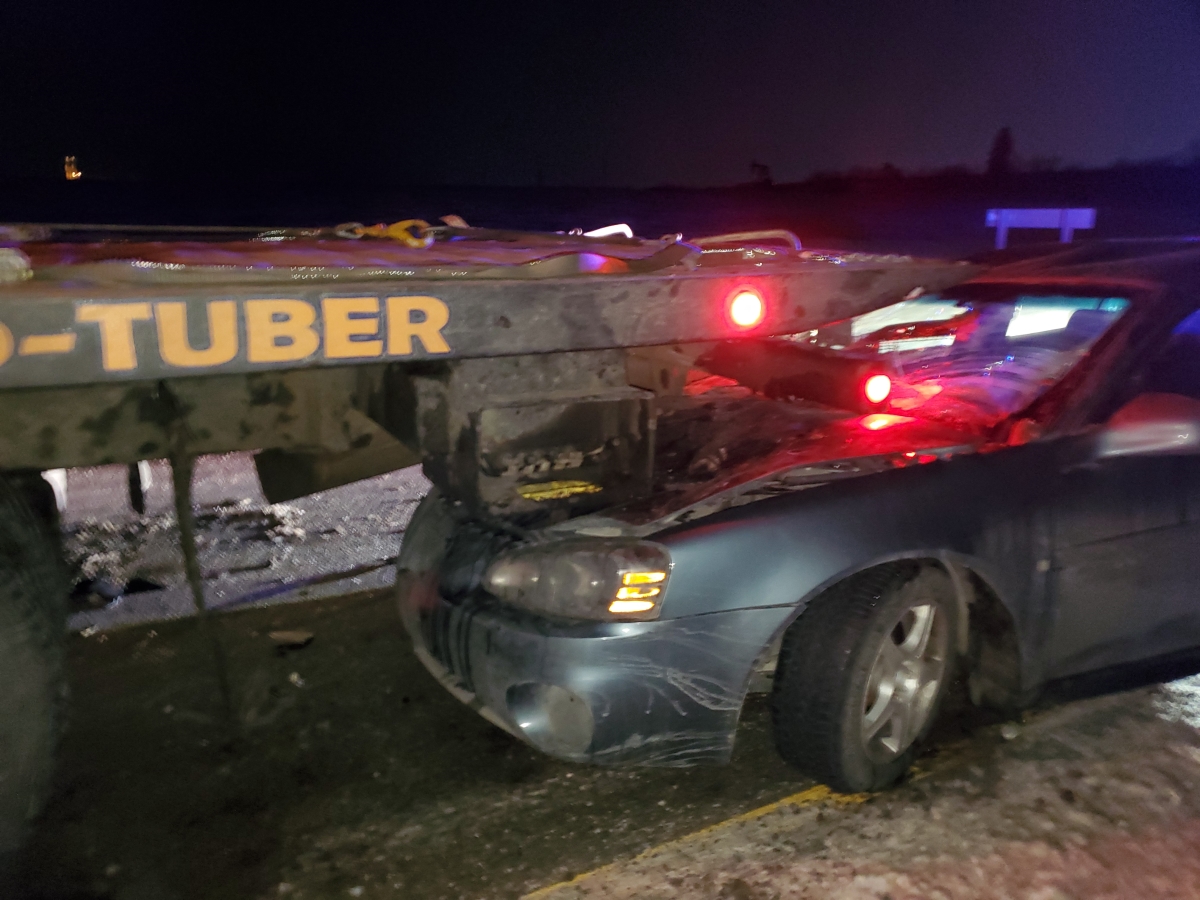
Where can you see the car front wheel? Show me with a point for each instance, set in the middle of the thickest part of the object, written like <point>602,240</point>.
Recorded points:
<point>861,674</point>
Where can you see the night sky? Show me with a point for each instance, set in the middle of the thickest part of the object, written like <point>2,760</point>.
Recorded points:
<point>573,93</point>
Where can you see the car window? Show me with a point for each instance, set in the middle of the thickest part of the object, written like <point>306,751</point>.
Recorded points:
<point>966,356</point>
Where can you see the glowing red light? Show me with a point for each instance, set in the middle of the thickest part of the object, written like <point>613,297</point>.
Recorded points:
<point>746,309</point>
<point>877,388</point>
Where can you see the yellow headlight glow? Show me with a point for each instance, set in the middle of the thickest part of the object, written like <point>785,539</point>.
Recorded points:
<point>637,593</point>
<point>619,607</point>
<point>643,577</point>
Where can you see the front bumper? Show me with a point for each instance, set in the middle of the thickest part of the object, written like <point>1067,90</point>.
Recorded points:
<point>666,692</point>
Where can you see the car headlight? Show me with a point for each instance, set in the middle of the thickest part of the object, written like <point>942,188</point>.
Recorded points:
<point>583,579</point>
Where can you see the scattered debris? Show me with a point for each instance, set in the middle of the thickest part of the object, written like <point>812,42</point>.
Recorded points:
<point>1010,731</point>
<point>282,587</point>
<point>295,679</point>
<point>291,640</point>
<point>95,593</point>
<point>112,870</point>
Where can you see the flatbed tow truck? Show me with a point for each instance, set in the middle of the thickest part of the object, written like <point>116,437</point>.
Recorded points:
<point>525,372</point>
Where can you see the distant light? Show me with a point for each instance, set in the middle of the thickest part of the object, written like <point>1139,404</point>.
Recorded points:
<point>877,388</point>
<point>609,230</point>
<point>746,309</point>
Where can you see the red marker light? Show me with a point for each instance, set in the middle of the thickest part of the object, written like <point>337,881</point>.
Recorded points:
<point>877,388</point>
<point>746,308</point>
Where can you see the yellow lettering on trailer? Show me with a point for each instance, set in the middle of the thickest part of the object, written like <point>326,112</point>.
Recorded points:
<point>6,343</point>
<point>402,328</point>
<point>46,344</point>
<point>117,352</point>
<point>173,343</point>
<point>280,330</point>
<point>340,329</point>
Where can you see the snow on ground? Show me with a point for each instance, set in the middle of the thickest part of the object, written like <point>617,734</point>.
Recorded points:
<point>251,552</point>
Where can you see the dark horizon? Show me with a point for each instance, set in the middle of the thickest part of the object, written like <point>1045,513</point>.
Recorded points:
<point>952,176</point>
<point>624,95</point>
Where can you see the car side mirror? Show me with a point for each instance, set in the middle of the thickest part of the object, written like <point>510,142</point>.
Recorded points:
<point>1152,425</point>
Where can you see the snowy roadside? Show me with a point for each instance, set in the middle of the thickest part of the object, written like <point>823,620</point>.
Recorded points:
<point>251,552</point>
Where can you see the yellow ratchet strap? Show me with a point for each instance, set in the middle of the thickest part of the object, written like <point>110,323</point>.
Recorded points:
<point>410,232</point>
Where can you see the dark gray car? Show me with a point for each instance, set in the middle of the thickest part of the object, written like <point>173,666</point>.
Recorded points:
<point>1022,505</point>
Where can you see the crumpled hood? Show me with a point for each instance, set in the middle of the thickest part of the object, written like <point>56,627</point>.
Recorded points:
<point>733,447</point>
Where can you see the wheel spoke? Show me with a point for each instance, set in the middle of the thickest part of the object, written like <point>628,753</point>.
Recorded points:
<point>891,658</point>
<point>908,718</point>
<point>903,682</point>
<point>882,712</point>
<point>917,640</point>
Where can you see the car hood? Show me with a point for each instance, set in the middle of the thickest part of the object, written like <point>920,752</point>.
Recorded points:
<point>731,447</point>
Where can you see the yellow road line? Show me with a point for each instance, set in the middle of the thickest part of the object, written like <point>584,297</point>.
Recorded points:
<point>811,797</point>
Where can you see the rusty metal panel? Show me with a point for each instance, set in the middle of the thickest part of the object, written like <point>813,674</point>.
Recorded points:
<point>310,411</point>
<point>57,334</point>
<point>574,455</point>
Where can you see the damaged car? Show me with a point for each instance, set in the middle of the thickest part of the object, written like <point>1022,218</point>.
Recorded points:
<point>999,482</point>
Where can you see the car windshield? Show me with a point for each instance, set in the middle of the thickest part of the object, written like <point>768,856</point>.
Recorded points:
<point>994,356</point>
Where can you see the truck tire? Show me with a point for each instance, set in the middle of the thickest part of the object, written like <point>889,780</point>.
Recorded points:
<point>861,674</point>
<point>33,594</point>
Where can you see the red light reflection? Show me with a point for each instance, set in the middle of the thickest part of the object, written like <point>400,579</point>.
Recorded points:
<point>879,421</point>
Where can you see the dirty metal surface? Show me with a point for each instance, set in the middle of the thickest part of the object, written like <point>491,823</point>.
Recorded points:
<point>99,424</point>
<point>66,332</point>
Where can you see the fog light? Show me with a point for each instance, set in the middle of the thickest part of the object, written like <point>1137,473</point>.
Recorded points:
<point>553,718</point>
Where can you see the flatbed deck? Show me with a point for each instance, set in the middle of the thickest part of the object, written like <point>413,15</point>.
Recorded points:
<point>119,311</point>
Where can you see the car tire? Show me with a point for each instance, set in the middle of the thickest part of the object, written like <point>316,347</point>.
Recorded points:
<point>33,594</point>
<point>861,675</point>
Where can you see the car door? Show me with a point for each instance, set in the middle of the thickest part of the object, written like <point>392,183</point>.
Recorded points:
<point>1124,580</point>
